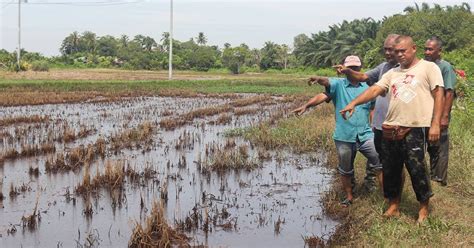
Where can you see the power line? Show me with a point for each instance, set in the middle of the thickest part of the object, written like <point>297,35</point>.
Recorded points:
<point>96,3</point>
<point>6,4</point>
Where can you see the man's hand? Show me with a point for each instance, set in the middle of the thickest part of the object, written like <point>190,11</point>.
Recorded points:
<point>349,108</point>
<point>444,122</point>
<point>324,81</point>
<point>340,69</point>
<point>434,133</point>
<point>299,111</point>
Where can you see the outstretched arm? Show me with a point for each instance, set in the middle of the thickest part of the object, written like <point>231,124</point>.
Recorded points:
<point>316,100</point>
<point>324,81</point>
<point>438,95</point>
<point>356,75</point>
<point>368,95</point>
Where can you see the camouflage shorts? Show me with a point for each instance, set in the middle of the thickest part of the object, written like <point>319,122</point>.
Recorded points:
<point>411,152</point>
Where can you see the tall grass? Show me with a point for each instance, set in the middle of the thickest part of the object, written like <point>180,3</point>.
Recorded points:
<point>460,172</point>
<point>309,132</point>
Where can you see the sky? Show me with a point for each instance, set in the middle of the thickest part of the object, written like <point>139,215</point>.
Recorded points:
<point>45,23</point>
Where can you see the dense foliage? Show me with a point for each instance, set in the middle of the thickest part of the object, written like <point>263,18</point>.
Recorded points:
<point>454,25</point>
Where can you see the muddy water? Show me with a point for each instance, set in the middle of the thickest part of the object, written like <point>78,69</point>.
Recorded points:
<point>273,205</point>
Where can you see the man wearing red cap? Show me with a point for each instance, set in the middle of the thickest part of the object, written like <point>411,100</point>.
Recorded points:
<point>349,136</point>
<point>381,104</point>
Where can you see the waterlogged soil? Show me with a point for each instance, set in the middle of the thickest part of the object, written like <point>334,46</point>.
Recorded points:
<point>274,205</point>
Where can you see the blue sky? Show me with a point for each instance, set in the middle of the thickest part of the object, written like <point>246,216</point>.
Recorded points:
<point>235,21</point>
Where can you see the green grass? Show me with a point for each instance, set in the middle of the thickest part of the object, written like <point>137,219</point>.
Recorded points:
<point>273,86</point>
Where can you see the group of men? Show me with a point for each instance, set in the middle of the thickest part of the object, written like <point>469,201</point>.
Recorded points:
<point>410,115</point>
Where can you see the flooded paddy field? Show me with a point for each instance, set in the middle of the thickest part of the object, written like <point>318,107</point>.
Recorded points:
<point>99,174</point>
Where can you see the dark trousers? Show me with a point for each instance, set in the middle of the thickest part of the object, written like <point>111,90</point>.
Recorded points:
<point>439,156</point>
<point>378,134</point>
<point>411,152</point>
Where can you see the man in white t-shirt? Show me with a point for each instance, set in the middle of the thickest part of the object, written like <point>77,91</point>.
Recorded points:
<point>414,115</point>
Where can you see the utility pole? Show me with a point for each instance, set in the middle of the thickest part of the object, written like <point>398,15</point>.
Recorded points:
<point>19,35</point>
<point>170,59</point>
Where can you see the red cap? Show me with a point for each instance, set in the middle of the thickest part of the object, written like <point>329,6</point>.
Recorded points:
<point>352,60</point>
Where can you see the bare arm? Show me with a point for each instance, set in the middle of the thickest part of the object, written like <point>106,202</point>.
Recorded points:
<point>368,95</point>
<point>448,103</point>
<point>358,76</point>
<point>438,95</point>
<point>324,81</point>
<point>316,100</point>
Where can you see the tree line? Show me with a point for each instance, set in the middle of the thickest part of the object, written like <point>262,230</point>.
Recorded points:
<point>454,25</point>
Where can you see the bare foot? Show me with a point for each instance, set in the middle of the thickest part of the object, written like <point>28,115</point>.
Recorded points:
<point>422,215</point>
<point>392,213</point>
<point>423,212</point>
<point>393,209</point>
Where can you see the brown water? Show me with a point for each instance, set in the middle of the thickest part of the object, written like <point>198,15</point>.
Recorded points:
<point>287,188</point>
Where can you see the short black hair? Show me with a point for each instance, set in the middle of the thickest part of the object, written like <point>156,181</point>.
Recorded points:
<point>437,40</point>
<point>407,38</point>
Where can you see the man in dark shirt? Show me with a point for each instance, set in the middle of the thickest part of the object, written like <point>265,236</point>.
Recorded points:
<point>439,152</point>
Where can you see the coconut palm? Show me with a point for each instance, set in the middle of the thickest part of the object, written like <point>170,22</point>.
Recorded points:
<point>88,41</point>
<point>148,43</point>
<point>70,44</point>
<point>165,40</point>
<point>411,9</point>
<point>124,40</point>
<point>201,39</point>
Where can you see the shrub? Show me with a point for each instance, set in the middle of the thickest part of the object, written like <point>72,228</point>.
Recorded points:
<point>12,66</point>
<point>40,65</point>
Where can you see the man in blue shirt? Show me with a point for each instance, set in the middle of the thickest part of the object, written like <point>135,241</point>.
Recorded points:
<point>381,105</point>
<point>353,135</point>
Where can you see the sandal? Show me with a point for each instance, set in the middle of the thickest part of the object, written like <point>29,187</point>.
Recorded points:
<point>346,203</point>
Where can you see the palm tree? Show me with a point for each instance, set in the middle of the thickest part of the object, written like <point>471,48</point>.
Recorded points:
<point>284,52</point>
<point>70,44</point>
<point>165,40</point>
<point>437,7</point>
<point>465,6</point>
<point>425,7</point>
<point>148,43</point>
<point>75,40</point>
<point>124,40</point>
<point>327,48</point>
<point>411,9</point>
<point>269,55</point>
<point>89,40</point>
<point>201,39</point>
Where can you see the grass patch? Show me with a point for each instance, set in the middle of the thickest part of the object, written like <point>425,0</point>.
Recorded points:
<point>272,86</point>
<point>308,133</point>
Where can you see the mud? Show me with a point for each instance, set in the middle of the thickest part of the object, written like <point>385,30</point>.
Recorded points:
<point>113,185</point>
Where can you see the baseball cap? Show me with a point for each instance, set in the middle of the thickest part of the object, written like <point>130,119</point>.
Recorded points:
<point>352,60</point>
